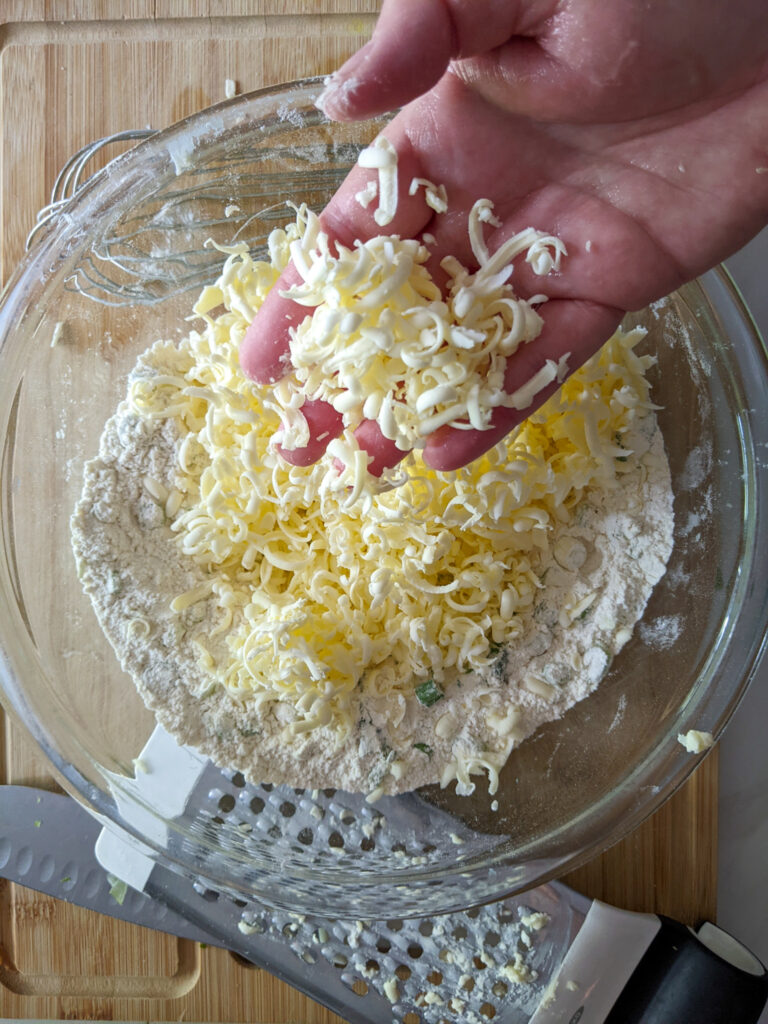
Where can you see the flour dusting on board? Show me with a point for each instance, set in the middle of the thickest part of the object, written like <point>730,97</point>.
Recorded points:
<point>661,633</point>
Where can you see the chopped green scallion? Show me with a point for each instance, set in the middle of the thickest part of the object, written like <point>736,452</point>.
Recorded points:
<point>429,693</point>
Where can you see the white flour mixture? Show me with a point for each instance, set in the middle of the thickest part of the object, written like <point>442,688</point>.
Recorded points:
<point>300,634</point>
<point>596,575</point>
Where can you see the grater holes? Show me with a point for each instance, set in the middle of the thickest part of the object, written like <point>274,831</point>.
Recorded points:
<point>356,985</point>
<point>226,803</point>
<point>238,780</point>
<point>431,958</point>
<point>479,963</point>
<point>267,787</point>
<point>328,792</point>
<point>254,925</point>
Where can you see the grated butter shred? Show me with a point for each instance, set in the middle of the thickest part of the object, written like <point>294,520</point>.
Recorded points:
<point>416,582</point>
<point>324,622</point>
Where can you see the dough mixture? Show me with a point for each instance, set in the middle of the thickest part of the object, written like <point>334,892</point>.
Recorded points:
<point>303,628</point>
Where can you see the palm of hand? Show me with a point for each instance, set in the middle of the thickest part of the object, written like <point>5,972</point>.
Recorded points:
<point>642,206</point>
<point>639,205</point>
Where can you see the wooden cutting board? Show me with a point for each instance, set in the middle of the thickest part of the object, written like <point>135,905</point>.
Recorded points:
<point>70,72</point>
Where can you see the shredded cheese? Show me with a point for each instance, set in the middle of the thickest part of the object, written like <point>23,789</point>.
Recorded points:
<point>325,577</point>
<point>317,591</point>
<point>435,196</point>
<point>381,156</point>
<point>383,343</point>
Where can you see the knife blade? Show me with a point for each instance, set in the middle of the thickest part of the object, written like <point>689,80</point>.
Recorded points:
<point>47,843</point>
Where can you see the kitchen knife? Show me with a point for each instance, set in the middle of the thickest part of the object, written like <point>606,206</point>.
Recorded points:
<point>612,966</point>
<point>47,843</point>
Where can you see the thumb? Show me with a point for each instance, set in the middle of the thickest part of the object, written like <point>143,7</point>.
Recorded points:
<point>412,45</point>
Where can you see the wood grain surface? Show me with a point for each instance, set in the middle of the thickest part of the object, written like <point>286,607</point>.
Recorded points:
<point>71,71</point>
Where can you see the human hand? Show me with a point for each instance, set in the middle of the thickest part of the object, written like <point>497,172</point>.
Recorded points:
<point>636,132</point>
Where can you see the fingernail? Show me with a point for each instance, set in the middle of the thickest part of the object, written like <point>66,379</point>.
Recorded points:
<point>341,86</point>
<point>322,99</point>
<point>335,97</point>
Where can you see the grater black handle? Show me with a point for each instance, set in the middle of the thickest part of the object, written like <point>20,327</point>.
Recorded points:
<point>687,977</point>
<point>627,968</point>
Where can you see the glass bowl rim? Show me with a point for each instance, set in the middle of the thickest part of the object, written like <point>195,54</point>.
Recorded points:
<point>125,173</point>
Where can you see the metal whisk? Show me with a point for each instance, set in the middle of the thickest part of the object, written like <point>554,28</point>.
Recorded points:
<point>158,249</point>
<point>70,178</point>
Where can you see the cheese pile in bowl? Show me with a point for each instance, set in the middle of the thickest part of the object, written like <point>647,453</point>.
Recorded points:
<point>317,627</point>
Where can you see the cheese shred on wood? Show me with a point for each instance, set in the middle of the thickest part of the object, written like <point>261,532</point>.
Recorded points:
<point>324,585</point>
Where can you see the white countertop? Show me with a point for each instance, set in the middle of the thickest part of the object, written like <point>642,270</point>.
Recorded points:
<point>743,807</point>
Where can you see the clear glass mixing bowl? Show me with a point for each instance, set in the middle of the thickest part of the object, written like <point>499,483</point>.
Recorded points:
<point>117,271</point>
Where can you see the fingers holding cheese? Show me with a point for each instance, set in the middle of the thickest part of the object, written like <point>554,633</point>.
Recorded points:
<point>390,341</point>
<point>265,350</point>
<point>357,213</point>
<point>382,352</point>
<point>351,215</point>
<point>572,331</point>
